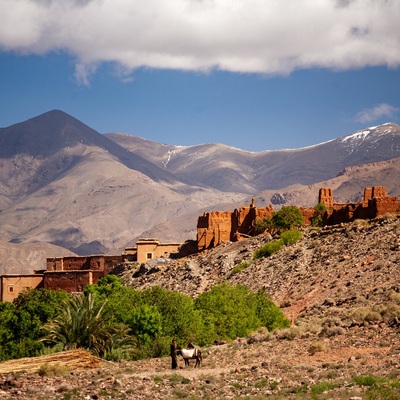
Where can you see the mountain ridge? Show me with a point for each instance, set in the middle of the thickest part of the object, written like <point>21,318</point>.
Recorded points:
<point>271,169</point>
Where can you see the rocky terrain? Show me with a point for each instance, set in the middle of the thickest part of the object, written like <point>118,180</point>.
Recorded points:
<point>340,288</point>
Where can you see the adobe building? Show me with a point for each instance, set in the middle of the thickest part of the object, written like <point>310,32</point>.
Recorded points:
<point>215,228</point>
<point>73,273</point>
<point>147,249</point>
<point>11,285</point>
<point>374,204</point>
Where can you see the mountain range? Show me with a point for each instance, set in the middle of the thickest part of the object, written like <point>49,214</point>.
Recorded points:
<point>67,189</point>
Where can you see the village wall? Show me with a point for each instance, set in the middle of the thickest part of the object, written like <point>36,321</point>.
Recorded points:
<point>217,227</point>
<point>71,281</point>
<point>375,203</point>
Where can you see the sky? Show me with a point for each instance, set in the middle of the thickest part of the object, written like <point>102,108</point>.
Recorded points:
<point>252,74</point>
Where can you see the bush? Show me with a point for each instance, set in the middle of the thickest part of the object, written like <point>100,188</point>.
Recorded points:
<point>268,249</point>
<point>318,217</point>
<point>315,347</point>
<point>288,333</point>
<point>287,218</point>
<point>262,226</point>
<point>235,311</point>
<point>260,335</point>
<point>291,237</point>
<point>55,369</point>
<point>323,387</point>
<point>365,380</point>
<point>239,267</point>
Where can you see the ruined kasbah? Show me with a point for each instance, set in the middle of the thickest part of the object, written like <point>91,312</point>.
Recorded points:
<point>72,274</point>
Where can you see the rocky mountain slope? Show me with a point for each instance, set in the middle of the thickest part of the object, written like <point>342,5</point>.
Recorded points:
<point>64,184</point>
<point>224,167</point>
<point>339,286</point>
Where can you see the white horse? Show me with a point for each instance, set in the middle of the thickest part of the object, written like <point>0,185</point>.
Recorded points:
<point>190,354</point>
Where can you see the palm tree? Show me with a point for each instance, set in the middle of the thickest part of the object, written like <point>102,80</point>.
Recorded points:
<point>81,323</point>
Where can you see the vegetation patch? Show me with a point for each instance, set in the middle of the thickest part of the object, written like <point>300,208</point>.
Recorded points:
<point>239,267</point>
<point>323,387</point>
<point>291,237</point>
<point>268,249</point>
<point>116,322</point>
<point>52,369</point>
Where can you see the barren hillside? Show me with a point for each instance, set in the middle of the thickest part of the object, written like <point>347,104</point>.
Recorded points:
<point>341,290</point>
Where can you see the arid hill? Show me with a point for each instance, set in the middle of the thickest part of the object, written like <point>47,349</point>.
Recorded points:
<point>340,288</point>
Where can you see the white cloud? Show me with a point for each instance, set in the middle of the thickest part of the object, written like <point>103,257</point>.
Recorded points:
<point>373,114</point>
<point>261,36</point>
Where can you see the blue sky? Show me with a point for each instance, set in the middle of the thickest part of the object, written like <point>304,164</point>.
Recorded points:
<point>257,75</point>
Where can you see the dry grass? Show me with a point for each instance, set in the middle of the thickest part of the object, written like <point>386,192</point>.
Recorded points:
<point>70,360</point>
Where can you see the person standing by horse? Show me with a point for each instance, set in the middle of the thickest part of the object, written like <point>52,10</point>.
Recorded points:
<point>174,356</point>
<point>190,345</point>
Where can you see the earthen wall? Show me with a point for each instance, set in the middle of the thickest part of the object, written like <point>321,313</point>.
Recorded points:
<point>71,281</point>
<point>375,203</point>
<point>12,285</point>
<point>215,228</point>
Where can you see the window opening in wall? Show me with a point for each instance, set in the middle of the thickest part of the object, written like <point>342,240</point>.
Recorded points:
<point>149,256</point>
<point>10,289</point>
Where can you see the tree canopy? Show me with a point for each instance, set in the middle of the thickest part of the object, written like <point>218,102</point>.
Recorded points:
<point>115,321</point>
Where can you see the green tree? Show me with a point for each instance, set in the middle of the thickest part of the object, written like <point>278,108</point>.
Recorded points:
<point>318,217</point>
<point>145,323</point>
<point>270,315</point>
<point>231,310</point>
<point>105,286</point>
<point>21,322</point>
<point>42,303</point>
<point>81,323</point>
<point>180,320</point>
<point>286,218</point>
<point>261,226</point>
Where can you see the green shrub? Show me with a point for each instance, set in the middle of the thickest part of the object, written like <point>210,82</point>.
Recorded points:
<point>235,311</point>
<point>323,387</point>
<point>287,218</point>
<point>261,383</point>
<point>291,236</point>
<point>239,267</point>
<point>262,226</point>
<point>268,249</point>
<point>366,380</point>
<point>318,217</point>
